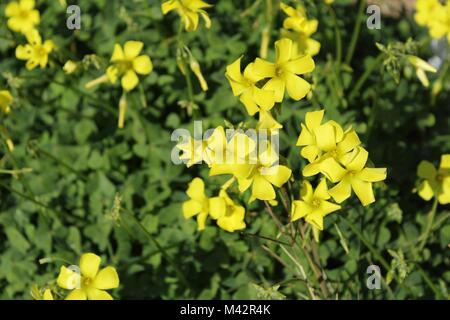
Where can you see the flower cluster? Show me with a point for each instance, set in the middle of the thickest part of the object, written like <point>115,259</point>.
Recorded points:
<point>299,29</point>
<point>85,281</point>
<point>337,154</point>
<point>435,182</point>
<point>264,83</point>
<point>222,208</point>
<point>189,11</point>
<point>435,16</point>
<point>24,18</point>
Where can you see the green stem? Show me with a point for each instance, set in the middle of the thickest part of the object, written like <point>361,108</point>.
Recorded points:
<point>29,198</point>
<point>430,220</point>
<point>356,32</point>
<point>62,163</point>
<point>159,247</point>
<point>366,242</point>
<point>363,78</point>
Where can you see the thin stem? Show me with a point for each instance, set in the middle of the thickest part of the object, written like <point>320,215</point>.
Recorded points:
<point>430,220</point>
<point>356,32</point>
<point>29,198</point>
<point>62,163</point>
<point>158,246</point>
<point>16,171</point>
<point>364,77</point>
<point>263,237</point>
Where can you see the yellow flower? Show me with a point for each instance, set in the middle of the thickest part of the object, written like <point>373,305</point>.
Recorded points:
<point>261,173</point>
<point>284,72</point>
<point>352,174</point>
<point>322,141</point>
<point>244,86</point>
<point>435,182</point>
<point>35,52</point>
<point>5,101</point>
<point>439,23</point>
<point>421,66</point>
<point>126,62</point>
<point>299,29</point>
<point>329,1</point>
<point>296,17</point>
<point>425,11</point>
<point>47,295</point>
<point>229,215</point>
<point>267,121</point>
<point>210,150</point>
<point>90,283</point>
<point>314,205</point>
<point>198,204</point>
<point>188,11</point>
<point>22,16</point>
<point>70,67</point>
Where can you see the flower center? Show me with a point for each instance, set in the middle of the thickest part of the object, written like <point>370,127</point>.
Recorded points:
<point>439,177</point>
<point>24,14</point>
<point>40,51</point>
<point>316,203</point>
<point>278,71</point>
<point>124,65</point>
<point>334,153</point>
<point>86,282</point>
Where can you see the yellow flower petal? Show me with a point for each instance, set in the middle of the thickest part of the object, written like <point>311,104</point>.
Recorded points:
<point>142,65</point>
<point>342,191</point>
<point>327,207</point>
<point>201,220</point>
<point>321,191</point>
<point>363,191</point>
<point>196,189</point>
<point>68,279</point>
<point>445,161</point>
<point>107,278</point>
<point>118,54</point>
<point>277,175</point>
<point>299,210</point>
<point>358,160</point>
<point>425,191</point>
<point>132,49</point>
<point>372,174</point>
<point>249,103</point>
<point>96,294</point>
<point>89,264</point>
<point>350,141</point>
<point>77,294</point>
<point>264,68</point>
<point>325,137</point>
<point>313,119</point>
<point>316,219</point>
<point>300,65</point>
<point>47,295</point>
<point>332,170</point>
<point>130,80</point>
<point>217,207</point>
<point>169,6</point>
<point>296,86</point>
<point>191,208</point>
<point>262,189</point>
<point>277,85</point>
<point>283,50</point>
<point>305,138</point>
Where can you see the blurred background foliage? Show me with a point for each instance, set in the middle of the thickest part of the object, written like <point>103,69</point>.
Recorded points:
<point>82,164</point>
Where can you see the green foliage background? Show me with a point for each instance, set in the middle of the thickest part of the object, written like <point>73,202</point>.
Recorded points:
<point>80,160</point>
